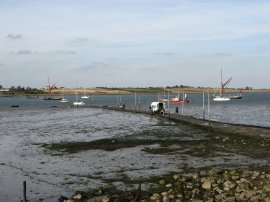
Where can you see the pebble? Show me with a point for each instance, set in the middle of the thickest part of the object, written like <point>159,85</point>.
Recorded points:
<point>228,185</point>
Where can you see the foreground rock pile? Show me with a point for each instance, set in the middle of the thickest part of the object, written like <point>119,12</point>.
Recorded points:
<point>228,185</point>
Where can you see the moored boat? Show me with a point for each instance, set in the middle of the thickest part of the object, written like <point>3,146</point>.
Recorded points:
<point>235,96</point>
<point>221,96</point>
<point>177,100</point>
<point>78,103</point>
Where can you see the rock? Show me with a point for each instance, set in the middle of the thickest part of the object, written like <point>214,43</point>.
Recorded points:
<point>168,185</point>
<point>255,198</point>
<point>196,176</point>
<point>171,197</point>
<point>179,196</point>
<point>228,185</point>
<point>162,182</point>
<point>164,193</point>
<point>155,197</point>
<point>165,199</point>
<point>175,177</point>
<point>267,199</point>
<point>105,199</point>
<point>207,184</point>
<point>255,175</point>
<point>78,197</point>
<point>218,190</point>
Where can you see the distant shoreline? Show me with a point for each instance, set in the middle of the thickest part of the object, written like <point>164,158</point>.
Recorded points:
<point>130,91</point>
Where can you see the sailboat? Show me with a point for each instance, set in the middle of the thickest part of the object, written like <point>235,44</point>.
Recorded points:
<point>78,102</point>
<point>84,96</point>
<point>221,96</point>
<point>63,100</point>
<point>177,100</point>
<point>239,96</point>
<point>50,88</point>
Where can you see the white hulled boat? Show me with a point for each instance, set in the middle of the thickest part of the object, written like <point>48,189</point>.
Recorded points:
<point>221,97</point>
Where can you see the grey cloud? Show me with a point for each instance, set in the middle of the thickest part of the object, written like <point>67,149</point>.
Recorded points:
<point>65,52</point>
<point>21,52</point>
<point>165,54</point>
<point>28,52</point>
<point>82,39</point>
<point>14,36</point>
<point>95,65</point>
<point>222,55</point>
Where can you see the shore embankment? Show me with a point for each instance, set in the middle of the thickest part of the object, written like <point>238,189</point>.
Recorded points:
<point>206,124</point>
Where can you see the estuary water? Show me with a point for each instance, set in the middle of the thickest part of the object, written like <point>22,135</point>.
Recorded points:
<point>35,122</point>
<point>253,109</point>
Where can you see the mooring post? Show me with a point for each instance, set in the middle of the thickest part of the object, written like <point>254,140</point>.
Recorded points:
<point>135,101</point>
<point>203,107</point>
<point>139,103</point>
<point>209,109</point>
<point>24,191</point>
<point>183,101</point>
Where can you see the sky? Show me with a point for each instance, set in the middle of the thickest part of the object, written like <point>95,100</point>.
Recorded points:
<point>134,43</point>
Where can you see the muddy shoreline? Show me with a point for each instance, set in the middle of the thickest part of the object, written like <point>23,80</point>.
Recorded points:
<point>224,148</point>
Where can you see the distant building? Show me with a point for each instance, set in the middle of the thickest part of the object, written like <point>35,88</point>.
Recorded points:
<point>4,90</point>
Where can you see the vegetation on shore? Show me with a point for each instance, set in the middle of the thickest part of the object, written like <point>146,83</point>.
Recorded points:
<point>13,91</point>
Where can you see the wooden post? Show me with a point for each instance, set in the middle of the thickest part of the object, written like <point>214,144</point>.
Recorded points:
<point>208,110</point>
<point>135,101</point>
<point>139,102</point>
<point>24,191</point>
<point>203,107</point>
<point>183,101</point>
<point>168,103</point>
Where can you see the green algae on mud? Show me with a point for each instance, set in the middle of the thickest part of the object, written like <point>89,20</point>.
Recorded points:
<point>210,146</point>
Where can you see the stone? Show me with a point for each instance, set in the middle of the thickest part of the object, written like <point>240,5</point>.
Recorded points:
<point>171,196</point>
<point>162,182</point>
<point>165,199</point>
<point>195,176</point>
<point>78,197</point>
<point>105,199</point>
<point>206,184</point>
<point>155,197</point>
<point>175,177</point>
<point>164,193</point>
<point>168,185</point>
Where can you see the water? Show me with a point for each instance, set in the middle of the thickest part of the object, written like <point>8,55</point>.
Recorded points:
<point>253,109</point>
<point>49,175</point>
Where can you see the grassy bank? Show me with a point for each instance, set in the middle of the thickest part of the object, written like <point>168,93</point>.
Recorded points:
<point>113,91</point>
<point>126,91</point>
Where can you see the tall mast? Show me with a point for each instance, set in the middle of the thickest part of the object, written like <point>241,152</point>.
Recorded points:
<point>221,84</point>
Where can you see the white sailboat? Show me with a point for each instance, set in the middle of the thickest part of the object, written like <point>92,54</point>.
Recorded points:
<point>64,100</point>
<point>221,97</point>
<point>78,102</point>
<point>84,96</point>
